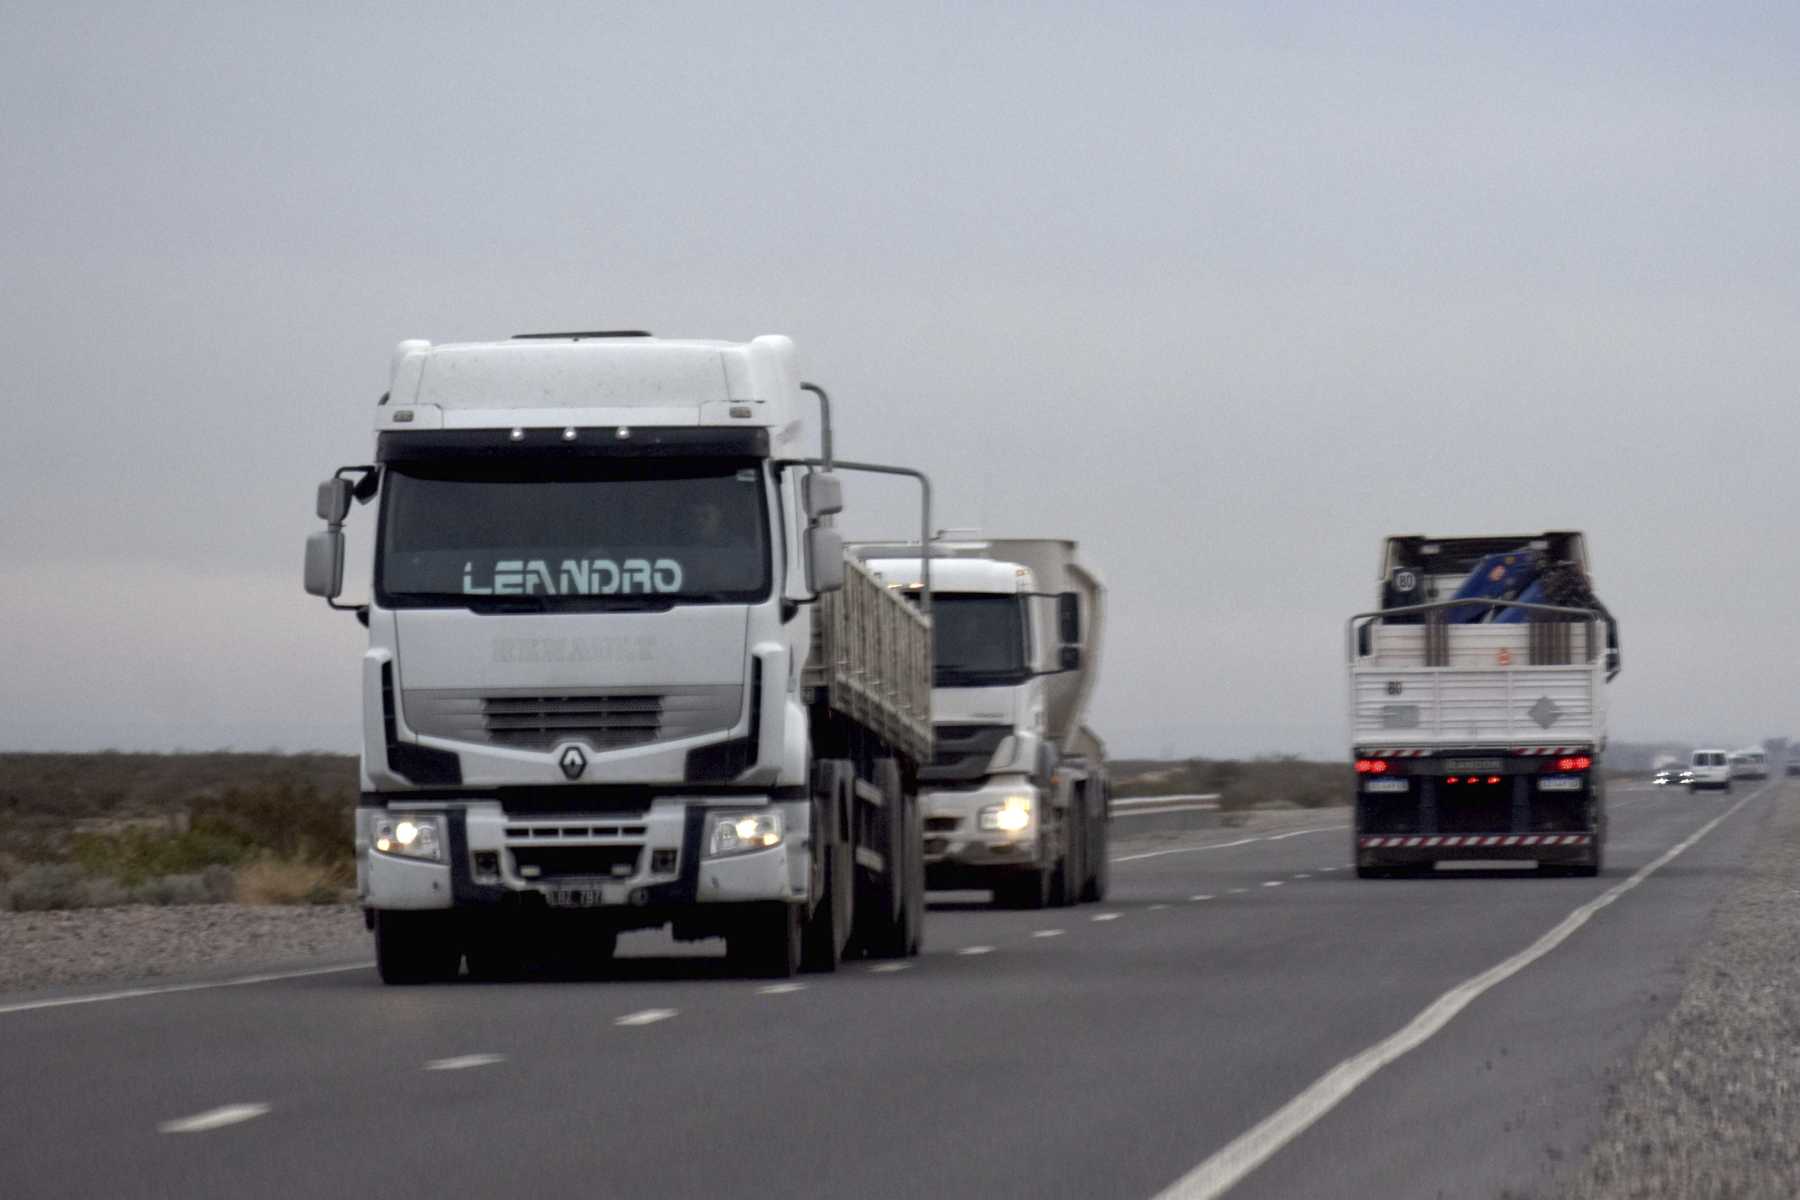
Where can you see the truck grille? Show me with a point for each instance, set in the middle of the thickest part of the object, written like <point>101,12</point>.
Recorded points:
<point>542,719</point>
<point>605,722</point>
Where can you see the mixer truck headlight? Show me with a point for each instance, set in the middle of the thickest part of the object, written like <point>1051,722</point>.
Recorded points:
<point>741,832</point>
<point>409,836</point>
<point>1011,816</point>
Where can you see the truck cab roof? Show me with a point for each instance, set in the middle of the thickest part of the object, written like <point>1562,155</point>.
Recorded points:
<point>588,380</point>
<point>956,575</point>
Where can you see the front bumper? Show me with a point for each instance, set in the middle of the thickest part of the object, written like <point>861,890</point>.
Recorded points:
<point>646,862</point>
<point>959,853</point>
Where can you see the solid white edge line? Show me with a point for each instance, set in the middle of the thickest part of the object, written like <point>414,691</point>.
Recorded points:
<point>170,988</point>
<point>216,1118</point>
<point>1249,1150</point>
<point>463,1062</point>
<point>648,1016</point>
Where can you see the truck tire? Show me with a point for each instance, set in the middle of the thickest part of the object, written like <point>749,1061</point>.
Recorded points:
<point>891,888</point>
<point>903,937</point>
<point>415,947</point>
<point>825,934</point>
<point>1065,881</point>
<point>1099,863</point>
<point>767,941</point>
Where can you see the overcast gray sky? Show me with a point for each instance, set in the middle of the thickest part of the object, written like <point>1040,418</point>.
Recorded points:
<point>1227,293</point>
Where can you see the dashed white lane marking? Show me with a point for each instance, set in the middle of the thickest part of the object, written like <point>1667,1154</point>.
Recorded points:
<point>170,988</point>
<point>1154,907</point>
<point>1257,1145</point>
<point>780,989</point>
<point>1239,891</point>
<point>1303,876</point>
<point>216,1118</point>
<point>1106,916</point>
<point>888,968</point>
<point>648,1016</point>
<point>1203,896</point>
<point>1048,933</point>
<point>970,950</point>
<point>463,1062</point>
<point>1272,883</point>
<point>1270,837</point>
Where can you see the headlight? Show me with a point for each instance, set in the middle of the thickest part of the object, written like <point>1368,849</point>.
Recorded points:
<point>740,833</point>
<point>1011,816</point>
<point>409,836</point>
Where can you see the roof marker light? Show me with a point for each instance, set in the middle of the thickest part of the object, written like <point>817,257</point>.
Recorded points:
<point>569,434</point>
<point>517,434</point>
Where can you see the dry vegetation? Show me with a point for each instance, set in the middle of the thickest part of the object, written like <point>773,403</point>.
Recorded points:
<point>93,830</point>
<point>1240,783</point>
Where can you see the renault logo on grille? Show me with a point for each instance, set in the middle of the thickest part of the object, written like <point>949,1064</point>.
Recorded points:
<point>572,761</point>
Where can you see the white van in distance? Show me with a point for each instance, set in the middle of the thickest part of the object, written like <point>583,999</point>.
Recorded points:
<point>1709,769</point>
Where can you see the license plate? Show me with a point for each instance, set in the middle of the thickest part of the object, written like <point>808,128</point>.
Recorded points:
<point>574,897</point>
<point>1385,785</point>
<point>1473,766</point>
<point>1560,783</point>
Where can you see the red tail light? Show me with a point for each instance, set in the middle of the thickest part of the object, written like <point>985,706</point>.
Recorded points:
<point>1493,779</point>
<point>1583,763</point>
<point>1371,766</point>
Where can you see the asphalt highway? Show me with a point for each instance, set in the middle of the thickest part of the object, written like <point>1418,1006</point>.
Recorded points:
<point>1242,1016</point>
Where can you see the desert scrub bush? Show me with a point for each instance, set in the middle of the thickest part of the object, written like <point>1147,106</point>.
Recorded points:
<point>133,856</point>
<point>286,881</point>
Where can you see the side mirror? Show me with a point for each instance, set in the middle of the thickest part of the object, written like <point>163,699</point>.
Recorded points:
<point>1068,617</point>
<point>821,494</point>
<point>824,560</point>
<point>325,562</point>
<point>334,501</point>
<point>1070,659</point>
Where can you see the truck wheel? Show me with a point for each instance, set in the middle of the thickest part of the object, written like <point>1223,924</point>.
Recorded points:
<point>1065,880</point>
<point>894,829</point>
<point>415,947</point>
<point>1099,865</point>
<point>767,941</point>
<point>903,937</point>
<point>824,938</point>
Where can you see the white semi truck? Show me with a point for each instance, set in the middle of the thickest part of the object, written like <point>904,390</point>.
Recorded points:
<point>1016,800</point>
<point>621,673</point>
<point>1478,706</point>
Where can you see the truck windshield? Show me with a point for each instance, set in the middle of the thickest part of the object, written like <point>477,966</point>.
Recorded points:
<point>979,640</point>
<point>572,534</point>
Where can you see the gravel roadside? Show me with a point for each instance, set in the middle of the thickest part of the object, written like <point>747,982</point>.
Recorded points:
<point>137,942</point>
<point>1710,1104</point>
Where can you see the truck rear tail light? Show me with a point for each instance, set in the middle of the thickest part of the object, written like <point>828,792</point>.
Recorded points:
<point>1579,763</point>
<point>1371,766</point>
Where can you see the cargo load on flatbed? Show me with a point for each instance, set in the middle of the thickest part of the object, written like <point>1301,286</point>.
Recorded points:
<point>1478,704</point>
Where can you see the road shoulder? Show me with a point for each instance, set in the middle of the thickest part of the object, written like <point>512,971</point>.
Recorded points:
<point>1710,1100</point>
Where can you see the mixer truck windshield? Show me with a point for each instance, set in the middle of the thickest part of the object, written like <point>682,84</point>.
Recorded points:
<point>979,640</point>
<point>576,534</point>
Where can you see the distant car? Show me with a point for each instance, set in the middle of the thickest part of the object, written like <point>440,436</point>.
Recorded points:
<point>1709,769</point>
<point>1749,764</point>
<point>1669,775</point>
